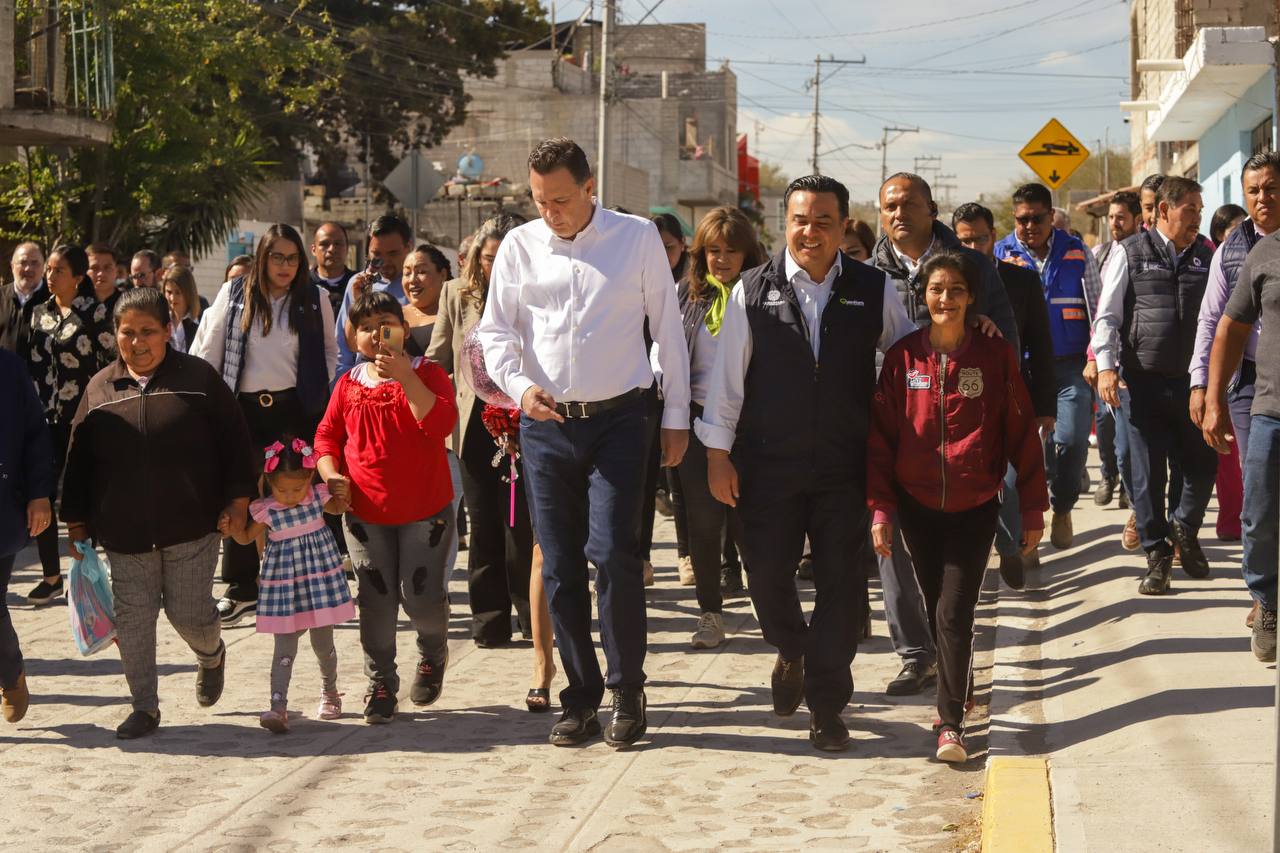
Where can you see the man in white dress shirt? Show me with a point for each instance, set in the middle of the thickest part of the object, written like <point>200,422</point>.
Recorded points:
<point>785,427</point>
<point>563,334</point>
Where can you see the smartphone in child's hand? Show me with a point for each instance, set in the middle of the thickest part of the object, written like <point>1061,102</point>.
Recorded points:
<point>392,338</point>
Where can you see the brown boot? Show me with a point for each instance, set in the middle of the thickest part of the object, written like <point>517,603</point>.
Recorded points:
<point>1061,532</point>
<point>14,700</point>
<point>1130,540</point>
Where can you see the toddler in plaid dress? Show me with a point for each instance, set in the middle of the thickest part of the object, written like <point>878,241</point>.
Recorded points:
<point>302,585</point>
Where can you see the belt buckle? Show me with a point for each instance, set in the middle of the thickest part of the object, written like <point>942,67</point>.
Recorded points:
<point>582,407</point>
<point>265,400</point>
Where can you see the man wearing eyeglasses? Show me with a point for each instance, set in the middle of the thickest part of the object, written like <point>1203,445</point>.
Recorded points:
<point>19,299</point>
<point>975,227</point>
<point>144,269</point>
<point>1069,276</point>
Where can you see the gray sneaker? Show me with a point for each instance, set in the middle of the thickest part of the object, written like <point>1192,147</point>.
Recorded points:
<point>1264,635</point>
<point>710,633</point>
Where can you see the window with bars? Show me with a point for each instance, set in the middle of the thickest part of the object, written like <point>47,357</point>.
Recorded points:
<point>1260,137</point>
<point>1185,27</point>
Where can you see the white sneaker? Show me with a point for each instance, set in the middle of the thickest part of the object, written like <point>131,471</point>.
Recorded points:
<point>710,631</point>
<point>685,568</point>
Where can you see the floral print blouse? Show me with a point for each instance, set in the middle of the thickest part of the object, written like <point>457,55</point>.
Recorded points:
<point>66,351</point>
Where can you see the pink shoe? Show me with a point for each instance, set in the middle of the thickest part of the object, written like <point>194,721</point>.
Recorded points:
<point>330,705</point>
<point>951,747</point>
<point>276,720</point>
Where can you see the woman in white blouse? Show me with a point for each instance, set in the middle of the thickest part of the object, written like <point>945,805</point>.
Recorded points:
<point>270,333</point>
<point>179,287</point>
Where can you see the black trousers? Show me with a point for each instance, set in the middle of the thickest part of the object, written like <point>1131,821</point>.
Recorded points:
<point>949,551</point>
<point>705,523</point>
<point>266,424</point>
<point>675,493</point>
<point>500,556</point>
<point>773,522</point>
<point>47,539</point>
<point>652,472</point>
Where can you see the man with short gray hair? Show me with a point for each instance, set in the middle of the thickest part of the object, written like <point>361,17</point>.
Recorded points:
<point>18,300</point>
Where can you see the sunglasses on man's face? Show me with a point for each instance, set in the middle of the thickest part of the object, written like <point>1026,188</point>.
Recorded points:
<point>1035,219</point>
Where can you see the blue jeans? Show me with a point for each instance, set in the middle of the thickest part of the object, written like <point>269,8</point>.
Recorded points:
<point>1260,519</point>
<point>1104,427</point>
<point>1065,461</point>
<point>1162,439</point>
<point>10,654</point>
<point>585,487</point>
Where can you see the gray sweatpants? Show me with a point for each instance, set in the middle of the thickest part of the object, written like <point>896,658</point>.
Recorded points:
<point>398,565</point>
<point>286,655</point>
<point>179,579</point>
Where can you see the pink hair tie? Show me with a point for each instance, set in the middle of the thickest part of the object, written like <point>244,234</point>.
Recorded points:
<point>272,454</point>
<point>304,450</point>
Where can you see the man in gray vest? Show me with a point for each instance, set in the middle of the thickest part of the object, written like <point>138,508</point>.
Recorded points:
<point>1144,335</point>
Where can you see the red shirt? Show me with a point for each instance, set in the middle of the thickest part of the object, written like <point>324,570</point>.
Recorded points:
<point>946,439</point>
<point>397,464</point>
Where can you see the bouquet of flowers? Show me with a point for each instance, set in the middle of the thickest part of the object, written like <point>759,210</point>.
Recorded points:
<point>501,414</point>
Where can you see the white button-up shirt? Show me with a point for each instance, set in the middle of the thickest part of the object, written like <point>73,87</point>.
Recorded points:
<point>568,315</point>
<point>718,426</point>
<point>812,296</point>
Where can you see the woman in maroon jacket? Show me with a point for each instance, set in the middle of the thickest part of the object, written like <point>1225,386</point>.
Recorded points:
<point>950,414</point>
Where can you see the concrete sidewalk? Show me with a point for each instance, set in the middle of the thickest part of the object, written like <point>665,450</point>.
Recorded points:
<point>473,772</point>
<point>1157,721</point>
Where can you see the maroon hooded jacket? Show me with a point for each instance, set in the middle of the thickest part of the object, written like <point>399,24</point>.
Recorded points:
<point>945,426</point>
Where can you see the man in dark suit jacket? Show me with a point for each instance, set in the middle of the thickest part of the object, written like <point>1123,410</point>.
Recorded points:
<point>19,299</point>
<point>975,227</point>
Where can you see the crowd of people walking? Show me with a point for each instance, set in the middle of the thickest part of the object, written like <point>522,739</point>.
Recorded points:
<point>845,407</point>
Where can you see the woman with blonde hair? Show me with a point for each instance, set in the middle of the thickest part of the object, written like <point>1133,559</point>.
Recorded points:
<point>724,245</point>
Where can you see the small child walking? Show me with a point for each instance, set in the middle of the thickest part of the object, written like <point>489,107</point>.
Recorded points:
<point>381,446</point>
<point>302,585</point>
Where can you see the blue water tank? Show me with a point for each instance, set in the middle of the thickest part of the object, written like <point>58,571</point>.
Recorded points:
<point>470,166</point>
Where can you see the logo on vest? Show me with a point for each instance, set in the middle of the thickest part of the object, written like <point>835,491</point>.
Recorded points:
<point>774,298</point>
<point>917,381</point>
<point>971,382</point>
<point>853,302</point>
<point>1195,262</point>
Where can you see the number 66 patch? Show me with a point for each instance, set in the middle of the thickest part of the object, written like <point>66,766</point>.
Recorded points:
<point>971,382</point>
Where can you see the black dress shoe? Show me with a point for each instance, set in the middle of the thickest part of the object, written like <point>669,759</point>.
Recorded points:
<point>1105,491</point>
<point>209,681</point>
<point>804,571</point>
<point>788,685</point>
<point>913,678</point>
<point>138,724</point>
<point>629,721</point>
<point>575,726</point>
<point>1194,562</point>
<point>828,732</point>
<point>731,582</point>
<point>1159,568</point>
<point>1012,570</point>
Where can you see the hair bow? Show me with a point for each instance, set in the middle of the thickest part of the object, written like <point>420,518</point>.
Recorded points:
<point>304,450</point>
<point>272,454</point>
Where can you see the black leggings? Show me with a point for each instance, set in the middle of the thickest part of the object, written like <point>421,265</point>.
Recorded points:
<point>949,551</point>
<point>705,523</point>
<point>47,539</point>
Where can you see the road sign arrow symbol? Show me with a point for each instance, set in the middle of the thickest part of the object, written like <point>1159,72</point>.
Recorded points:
<point>1054,177</point>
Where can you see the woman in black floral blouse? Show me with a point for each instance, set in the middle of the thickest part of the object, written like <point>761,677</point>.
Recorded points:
<point>71,340</point>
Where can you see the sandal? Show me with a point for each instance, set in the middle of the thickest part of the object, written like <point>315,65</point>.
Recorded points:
<point>538,700</point>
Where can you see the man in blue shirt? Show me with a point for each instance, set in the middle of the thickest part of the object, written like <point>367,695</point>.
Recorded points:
<point>1072,284</point>
<point>390,239</point>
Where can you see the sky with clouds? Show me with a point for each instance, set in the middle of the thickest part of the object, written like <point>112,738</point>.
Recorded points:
<point>978,79</point>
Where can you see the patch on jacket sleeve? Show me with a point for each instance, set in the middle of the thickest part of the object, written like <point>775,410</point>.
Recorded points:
<point>971,382</point>
<point>1073,314</point>
<point>1073,255</point>
<point>917,381</point>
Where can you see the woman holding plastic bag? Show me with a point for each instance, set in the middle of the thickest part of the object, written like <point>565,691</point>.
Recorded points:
<point>26,484</point>
<point>159,455</point>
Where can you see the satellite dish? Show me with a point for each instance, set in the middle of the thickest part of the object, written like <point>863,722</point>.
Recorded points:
<point>470,167</point>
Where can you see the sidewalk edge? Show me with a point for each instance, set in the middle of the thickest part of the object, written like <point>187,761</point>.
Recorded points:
<point>1017,814</point>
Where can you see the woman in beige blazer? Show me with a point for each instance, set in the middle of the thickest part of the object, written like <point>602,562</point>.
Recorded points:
<point>500,557</point>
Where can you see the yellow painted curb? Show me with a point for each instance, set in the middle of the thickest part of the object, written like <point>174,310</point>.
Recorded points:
<point>1016,813</point>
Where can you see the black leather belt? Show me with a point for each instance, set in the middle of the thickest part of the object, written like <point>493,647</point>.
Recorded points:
<point>574,411</point>
<point>265,399</point>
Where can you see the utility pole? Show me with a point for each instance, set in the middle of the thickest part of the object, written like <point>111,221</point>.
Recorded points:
<point>927,163</point>
<point>944,184</point>
<point>610,9</point>
<point>884,146</point>
<point>816,85</point>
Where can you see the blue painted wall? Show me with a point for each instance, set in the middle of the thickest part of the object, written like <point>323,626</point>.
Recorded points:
<point>1226,146</point>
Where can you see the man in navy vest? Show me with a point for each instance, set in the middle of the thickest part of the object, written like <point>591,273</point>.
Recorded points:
<point>786,426</point>
<point>1146,327</point>
<point>1071,287</point>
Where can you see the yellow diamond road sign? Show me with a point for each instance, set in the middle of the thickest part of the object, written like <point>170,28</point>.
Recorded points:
<point>1054,154</point>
